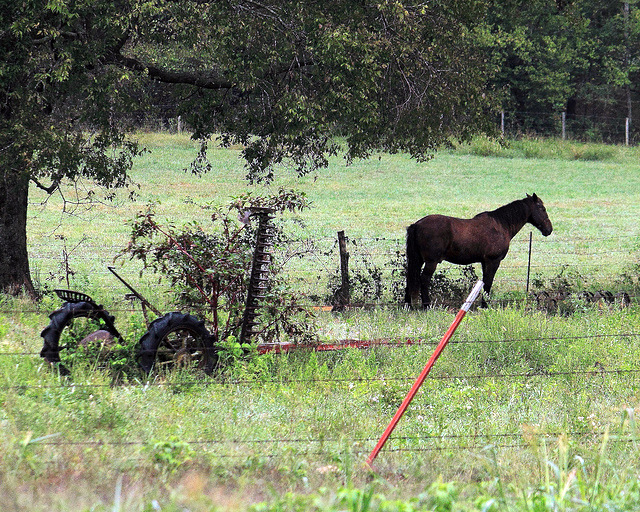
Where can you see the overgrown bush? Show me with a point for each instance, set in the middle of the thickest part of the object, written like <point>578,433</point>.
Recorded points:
<point>593,152</point>
<point>208,267</point>
<point>83,345</point>
<point>538,147</point>
<point>451,291</point>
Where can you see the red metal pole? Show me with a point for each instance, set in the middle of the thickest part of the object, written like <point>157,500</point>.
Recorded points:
<point>423,375</point>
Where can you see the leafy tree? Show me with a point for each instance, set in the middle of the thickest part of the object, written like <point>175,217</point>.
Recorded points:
<point>578,56</point>
<point>538,53</point>
<point>614,58</point>
<point>56,100</point>
<point>281,78</point>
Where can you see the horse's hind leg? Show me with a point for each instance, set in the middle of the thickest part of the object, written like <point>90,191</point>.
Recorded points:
<point>414,266</point>
<point>425,282</point>
<point>412,291</point>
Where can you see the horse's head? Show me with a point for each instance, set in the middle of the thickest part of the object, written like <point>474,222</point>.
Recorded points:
<point>538,216</point>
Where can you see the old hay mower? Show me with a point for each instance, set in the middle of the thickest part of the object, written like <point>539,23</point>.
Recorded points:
<point>174,339</point>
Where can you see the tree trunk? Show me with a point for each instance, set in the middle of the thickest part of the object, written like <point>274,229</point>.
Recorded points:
<point>14,259</point>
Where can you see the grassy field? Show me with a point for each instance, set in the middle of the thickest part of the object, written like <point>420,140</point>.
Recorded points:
<point>525,410</point>
<point>593,205</point>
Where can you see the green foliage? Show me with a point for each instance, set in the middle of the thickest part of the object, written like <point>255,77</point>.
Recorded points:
<point>554,57</point>
<point>82,351</point>
<point>441,496</point>
<point>363,69</point>
<point>170,455</point>
<point>594,153</point>
<point>541,148</point>
<point>4,327</point>
<point>367,283</point>
<point>485,146</point>
<point>449,289</point>
<point>209,269</point>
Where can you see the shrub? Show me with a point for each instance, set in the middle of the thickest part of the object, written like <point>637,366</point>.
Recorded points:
<point>209,268</point>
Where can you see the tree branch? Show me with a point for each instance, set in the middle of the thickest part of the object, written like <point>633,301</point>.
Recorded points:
<point>200,80</point>
<point>50,189</point>
<point>172,77</point>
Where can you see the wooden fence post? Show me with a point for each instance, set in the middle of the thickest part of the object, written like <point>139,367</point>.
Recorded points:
<point>343,296</point>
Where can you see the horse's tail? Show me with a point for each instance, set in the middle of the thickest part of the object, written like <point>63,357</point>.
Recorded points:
<point>414,265</point>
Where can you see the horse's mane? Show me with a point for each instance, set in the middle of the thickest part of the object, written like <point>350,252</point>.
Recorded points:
<point>510,214</point>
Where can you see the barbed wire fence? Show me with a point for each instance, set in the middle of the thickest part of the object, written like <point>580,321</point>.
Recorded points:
<point>312,268</point>
<point>450,441</point>
<point>314,265</point>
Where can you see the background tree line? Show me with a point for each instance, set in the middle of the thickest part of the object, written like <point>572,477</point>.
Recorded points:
<point>580,57</point>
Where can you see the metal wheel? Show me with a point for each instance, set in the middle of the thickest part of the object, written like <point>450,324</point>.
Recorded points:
<point>176,340</point>
<point>93,316</point>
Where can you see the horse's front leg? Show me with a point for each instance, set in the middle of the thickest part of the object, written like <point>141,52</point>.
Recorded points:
<point>425,282</point>
<point>489,269</point>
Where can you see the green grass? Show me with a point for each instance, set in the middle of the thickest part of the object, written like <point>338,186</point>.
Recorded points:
<point>304,421</point>
<point>525,411</point>
<point>594,206</point>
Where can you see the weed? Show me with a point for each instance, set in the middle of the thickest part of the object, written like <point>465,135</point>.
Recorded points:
<point>593,153</point>
<point>441,496</point>
<point>450,290</point>
<point>486,147</point>
<point>170,455</point>
<point>208,270</point>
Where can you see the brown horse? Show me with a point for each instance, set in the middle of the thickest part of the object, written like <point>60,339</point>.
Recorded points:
<point>483,239</point>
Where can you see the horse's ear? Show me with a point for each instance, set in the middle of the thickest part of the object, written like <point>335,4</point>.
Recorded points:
<point>528,196</point>
<point>534,197</point>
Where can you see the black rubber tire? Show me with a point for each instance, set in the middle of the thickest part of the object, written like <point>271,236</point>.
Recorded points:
<point>177,339</point>
<point>62,317</point>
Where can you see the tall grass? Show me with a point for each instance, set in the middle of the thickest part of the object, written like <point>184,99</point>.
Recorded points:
<point>554,149</point>
<point>517,407</point>
<point>524,410</point>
